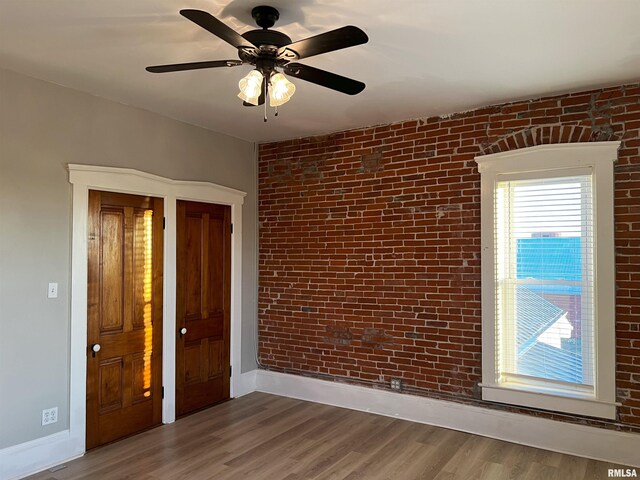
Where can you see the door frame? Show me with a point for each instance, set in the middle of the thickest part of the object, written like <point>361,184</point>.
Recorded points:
<point>124,180</point>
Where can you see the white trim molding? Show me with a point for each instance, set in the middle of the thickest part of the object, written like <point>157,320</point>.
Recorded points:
<point>543,162</point>
<point>247,383</point>
<point>36,455</point>
<point>124,180</point>
<point>573,439</point>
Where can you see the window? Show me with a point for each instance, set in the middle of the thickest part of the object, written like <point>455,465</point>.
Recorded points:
<point>548,306</point>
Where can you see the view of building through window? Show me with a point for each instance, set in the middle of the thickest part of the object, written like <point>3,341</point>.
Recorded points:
<point>544,272</point>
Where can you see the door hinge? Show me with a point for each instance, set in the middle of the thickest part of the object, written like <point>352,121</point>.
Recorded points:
<point>164,222</point>
<point>232,228</point>
<point>163,392</point>
<point>230,367</point>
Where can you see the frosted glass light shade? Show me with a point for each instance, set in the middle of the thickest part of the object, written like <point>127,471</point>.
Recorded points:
<point>281,90</point>
<point>250,87</point>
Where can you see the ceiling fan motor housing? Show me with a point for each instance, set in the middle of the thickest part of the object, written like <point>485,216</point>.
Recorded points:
<point>265,58</point>
<point>267,37</point>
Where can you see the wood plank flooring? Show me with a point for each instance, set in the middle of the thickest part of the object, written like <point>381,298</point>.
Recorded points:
<point>266,437</point>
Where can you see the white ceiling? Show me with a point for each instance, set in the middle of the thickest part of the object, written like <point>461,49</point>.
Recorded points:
<point>424,57</point>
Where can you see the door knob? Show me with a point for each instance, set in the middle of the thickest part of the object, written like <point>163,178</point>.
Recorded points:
<point>183,331</point>
<point>95,348</point>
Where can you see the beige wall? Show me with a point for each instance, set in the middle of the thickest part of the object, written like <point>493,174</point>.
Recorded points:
<point>43,127</point>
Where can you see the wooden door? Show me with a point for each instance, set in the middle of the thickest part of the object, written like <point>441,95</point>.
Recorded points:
<point>203,300</point>
<point>124,317</point>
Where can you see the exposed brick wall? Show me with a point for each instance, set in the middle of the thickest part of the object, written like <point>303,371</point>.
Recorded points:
<point>370,244</point>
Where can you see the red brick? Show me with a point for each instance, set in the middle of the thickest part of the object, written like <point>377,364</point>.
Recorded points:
<point>395,250</point>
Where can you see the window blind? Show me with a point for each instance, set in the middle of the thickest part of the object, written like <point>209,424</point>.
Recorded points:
<point>544,276</point>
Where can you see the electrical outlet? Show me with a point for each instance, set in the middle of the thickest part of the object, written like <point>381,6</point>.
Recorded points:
<point>49,415</point>
<point>396,384</point>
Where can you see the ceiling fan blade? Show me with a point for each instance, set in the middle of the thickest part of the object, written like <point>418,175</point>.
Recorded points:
<point>215,26</point>
<point>338,39</point>
<point>177,67</point>
<point>261,98</point>
<point>324,78</point>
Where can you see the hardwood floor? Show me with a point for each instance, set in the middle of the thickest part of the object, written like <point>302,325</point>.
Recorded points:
<point>266,437</point>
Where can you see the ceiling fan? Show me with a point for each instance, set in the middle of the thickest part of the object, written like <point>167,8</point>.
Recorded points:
<point>272,53</point>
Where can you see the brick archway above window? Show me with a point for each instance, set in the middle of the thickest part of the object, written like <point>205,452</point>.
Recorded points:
<point>545,135</point>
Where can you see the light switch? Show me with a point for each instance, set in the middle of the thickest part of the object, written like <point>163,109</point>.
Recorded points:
<point>53,290</point>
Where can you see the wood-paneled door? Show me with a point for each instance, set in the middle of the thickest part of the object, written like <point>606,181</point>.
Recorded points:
<point>124,316</point>
<point>203,299</point>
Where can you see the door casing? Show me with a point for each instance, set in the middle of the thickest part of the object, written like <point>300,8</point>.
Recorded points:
<point>124,180</point>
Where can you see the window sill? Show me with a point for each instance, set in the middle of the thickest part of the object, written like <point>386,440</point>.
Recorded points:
<point>537,398</point>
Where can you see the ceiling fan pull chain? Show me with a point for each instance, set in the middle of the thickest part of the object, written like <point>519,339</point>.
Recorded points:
<point>266,82</point>
<point>276,112</point>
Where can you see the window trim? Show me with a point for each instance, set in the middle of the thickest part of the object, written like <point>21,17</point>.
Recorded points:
<point>545,160</point>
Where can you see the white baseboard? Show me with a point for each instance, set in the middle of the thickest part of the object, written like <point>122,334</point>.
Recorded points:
<point>246,384</point>
<point>581,440</point>
<point>600,444</point>
<point>30,457</point>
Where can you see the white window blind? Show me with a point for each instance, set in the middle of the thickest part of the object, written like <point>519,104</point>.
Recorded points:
<point>544,241</point>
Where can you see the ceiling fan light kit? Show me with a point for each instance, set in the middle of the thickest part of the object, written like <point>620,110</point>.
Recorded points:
<point>272,54</point>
